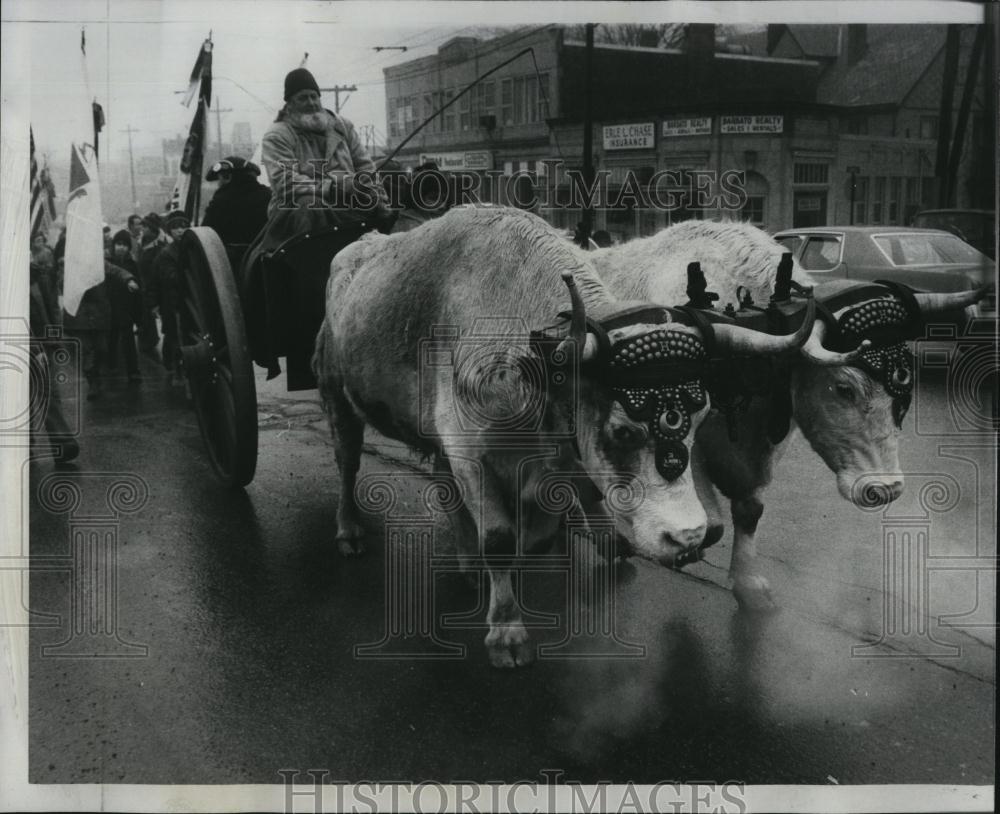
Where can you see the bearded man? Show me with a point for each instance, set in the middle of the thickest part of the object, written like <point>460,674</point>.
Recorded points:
<point>321,177</point>
<point>315,159</point>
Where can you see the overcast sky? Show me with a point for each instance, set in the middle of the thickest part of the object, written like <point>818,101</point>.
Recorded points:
<point>140,52</point>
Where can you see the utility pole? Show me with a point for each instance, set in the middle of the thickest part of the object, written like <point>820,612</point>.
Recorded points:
<point>131,163</point>
<point>951,49</point>
<point>588,137</point>
<point>337,90</point>
<point>218,121</point>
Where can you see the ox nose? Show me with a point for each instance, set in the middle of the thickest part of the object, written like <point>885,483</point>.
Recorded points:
<point>874,493</point>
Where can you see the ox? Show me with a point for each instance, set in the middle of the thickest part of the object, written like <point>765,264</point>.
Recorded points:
<point>850,417</point>
<point>388,294</point>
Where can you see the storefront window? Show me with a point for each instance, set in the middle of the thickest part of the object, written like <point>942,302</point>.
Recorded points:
<point>861,200</point>
<point>878,199</point>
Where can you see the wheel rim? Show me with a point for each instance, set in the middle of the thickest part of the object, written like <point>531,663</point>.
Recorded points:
<point>215,358</point>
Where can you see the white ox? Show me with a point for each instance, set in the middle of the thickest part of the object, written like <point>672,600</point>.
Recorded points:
<point>844,414</point>
<point>385,297</point>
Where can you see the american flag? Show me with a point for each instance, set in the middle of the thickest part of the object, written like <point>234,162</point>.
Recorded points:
<point>42,195</point>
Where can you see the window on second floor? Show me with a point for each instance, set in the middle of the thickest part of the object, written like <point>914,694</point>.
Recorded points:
<point>544,101</point>
<point>506,101</point>
<point>856,125</point>
<point>519,100</point>
<point>928,127</point>
<point>486,98</point>
<point>448,117</point>
<point>465,112</point>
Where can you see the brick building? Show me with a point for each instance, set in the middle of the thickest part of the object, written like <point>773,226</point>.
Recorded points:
<point>802,112</point>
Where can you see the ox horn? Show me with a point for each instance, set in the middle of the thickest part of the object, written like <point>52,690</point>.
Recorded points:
<point>735,339</point>
<point>814,351</point>
<point>586,344</point>
<point>934,303</point>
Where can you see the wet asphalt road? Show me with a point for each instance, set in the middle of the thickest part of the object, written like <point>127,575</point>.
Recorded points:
<point>250,620</point>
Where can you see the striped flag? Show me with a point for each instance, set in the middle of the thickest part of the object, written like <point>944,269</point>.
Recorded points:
<point>42,195</point>
<point>186,196</point>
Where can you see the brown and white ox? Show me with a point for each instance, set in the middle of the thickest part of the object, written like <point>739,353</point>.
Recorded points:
<point>845,414</point>
<point>389,295</point>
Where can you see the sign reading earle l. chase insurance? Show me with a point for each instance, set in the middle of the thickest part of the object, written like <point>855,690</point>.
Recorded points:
<point>752,124</point>
<point>630,136</point>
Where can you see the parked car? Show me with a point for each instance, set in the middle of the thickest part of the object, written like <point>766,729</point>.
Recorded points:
<point>925,259</point>
<point>977,227</point>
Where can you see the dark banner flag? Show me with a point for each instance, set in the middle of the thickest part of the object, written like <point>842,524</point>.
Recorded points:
<point>186,196</point>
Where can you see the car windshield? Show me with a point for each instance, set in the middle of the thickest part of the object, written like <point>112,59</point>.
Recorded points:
<point>822,253</point>
<point>790,242</point>
<point>926,249</point>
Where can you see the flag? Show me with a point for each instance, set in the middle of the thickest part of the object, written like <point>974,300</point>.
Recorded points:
<point>186,195</point>
<point>202,67</point>
<point>84,230</point>
<point>42,195</point>
<point>84,254</point>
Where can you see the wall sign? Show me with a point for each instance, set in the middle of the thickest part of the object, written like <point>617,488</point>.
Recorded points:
<point>473,160</point>
<point>701,126</point>
<point>640,136</point>
<point>752,124</point>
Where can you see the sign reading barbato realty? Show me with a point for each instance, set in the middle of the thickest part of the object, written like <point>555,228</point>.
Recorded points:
<point>630,136</point>
<point>752,124</point>
<point>701,126</point>
<point>474,160</point>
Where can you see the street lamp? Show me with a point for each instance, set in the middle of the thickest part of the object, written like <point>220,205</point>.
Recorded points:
<point>854,171</point>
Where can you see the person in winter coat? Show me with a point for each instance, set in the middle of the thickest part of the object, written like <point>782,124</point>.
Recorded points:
<point>166,294</point>
<point>92,323</point>
<point>125,309</point>
<point>154,240</point>
<point>238,210</point>
<point>45,399</point>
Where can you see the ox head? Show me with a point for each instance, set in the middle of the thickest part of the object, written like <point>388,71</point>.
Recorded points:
<point>851,396</point>
<point>640,398</point>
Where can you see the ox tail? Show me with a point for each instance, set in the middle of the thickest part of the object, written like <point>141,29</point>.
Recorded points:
<point>322,360</point>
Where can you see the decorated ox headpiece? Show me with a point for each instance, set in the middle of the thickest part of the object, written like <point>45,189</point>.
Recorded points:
<point>866,325</point>
<point>657,369</point>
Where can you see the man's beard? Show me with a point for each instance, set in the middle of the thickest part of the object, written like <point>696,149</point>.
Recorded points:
<point>313,122</point>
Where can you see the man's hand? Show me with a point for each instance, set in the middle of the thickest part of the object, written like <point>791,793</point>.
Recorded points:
<point>133,286</point>
<point>341,185</point>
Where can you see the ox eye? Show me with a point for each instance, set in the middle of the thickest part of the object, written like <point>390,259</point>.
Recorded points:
<point>901,377</point>
<point>845,391</point>
<point>629,435</point>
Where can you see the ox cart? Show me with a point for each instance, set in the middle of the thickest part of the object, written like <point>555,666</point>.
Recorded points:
<point>239,305</point>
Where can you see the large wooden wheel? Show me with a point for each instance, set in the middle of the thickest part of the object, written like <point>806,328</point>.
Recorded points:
<point>215,356</point>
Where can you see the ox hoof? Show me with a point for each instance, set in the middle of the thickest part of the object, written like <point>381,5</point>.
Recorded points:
<point>350,548</point>
<point>509,647</point>
<point>754,595</point>
<point>349,534</point>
